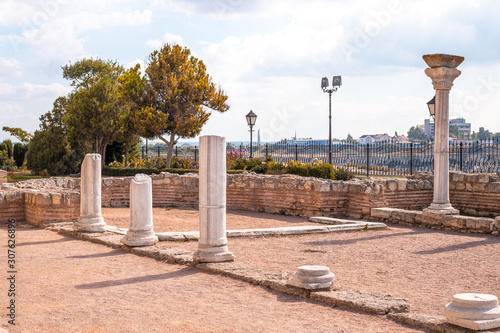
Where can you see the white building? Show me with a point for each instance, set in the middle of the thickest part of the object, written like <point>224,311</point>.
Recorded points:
<point>463,127</point>
<point>364,139</point>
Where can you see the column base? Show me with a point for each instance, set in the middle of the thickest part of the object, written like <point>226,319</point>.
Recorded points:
<point>139,238</point>
<point>90,224</point>
<point>208,253</point>
<point>441,209</point>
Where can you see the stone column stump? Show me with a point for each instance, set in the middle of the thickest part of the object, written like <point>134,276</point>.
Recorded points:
<point>473,311</point>
<point>90,219</point>
<point>312,277</point>
<point>140,232</point>
<point>212,244</point>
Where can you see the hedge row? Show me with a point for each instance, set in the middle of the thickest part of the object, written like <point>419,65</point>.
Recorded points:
<point>125,172</point>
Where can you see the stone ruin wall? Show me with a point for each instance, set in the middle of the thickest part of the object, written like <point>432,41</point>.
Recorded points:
<point>58,199</point>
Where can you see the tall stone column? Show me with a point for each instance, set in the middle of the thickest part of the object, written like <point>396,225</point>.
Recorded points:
<point>140,232</point>
<point>90,196</point>
<point>212,244</point>
<point>442,72</point>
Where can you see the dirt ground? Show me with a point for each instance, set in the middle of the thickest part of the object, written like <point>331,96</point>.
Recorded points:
<point>425,266</point>
<point>68,285</point>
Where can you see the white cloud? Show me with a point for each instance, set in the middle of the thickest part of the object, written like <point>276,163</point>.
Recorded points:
<point>168,38</point>
<point>10,67</point>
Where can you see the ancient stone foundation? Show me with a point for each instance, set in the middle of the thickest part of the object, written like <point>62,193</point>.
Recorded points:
<point>58,199</point>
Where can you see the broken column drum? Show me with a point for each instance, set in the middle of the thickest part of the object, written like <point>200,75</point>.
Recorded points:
<point>90,198</point>
<point>473,311</point>
<point>212,244</point>
<point>140,232</point>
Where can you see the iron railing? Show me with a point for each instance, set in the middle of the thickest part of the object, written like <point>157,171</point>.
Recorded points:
<point>383,159</point>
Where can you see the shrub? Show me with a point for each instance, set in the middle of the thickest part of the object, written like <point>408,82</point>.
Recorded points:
<point>183,163</point>
<point>263,168</point>
<point>342,173</point>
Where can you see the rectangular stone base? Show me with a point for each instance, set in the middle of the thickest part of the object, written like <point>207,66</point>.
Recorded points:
<point>478,325</point>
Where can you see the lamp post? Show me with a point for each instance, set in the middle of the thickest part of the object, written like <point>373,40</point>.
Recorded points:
<point>432,111</point>
<point>336,83</point>
<point>251,118</point>
<point>442,71</point>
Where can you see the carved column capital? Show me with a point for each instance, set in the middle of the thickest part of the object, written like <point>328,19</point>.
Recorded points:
<point>442,77</point>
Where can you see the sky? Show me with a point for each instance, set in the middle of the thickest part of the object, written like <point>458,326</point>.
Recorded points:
<point>269,56</point>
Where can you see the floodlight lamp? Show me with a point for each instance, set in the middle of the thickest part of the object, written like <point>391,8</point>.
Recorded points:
<point>337,81</point>
<point>324,83</point>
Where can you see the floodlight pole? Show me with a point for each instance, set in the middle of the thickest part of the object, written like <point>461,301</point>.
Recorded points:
<point>337,81</point>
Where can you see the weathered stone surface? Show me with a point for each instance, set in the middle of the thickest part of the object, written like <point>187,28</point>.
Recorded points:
<point>141,232</point>
<point>312,277</point>
<point>212,245</point>
<point>375,303</point>
<point>90,202</point>
<point>433,323</point>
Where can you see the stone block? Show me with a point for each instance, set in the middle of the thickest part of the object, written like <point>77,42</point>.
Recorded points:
<point>428,185</point>
<point>483,178</point>
<point>401,184</point>
<point>57,198</point>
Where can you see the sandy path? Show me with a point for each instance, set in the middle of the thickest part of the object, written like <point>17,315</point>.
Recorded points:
<point>69,285</point>
<point>425,266</point>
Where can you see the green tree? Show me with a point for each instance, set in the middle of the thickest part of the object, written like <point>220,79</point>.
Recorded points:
<point>7,146</point>
<point>416,133</point>
<point>180,96</point>
<point>18,133</point>
<point>93,107</point>
<point>483,134</point>
<point>20,153</point>
<point>50,148</point>
<point>454,131</point>
<point>349,137</point>
<point>132,94</point>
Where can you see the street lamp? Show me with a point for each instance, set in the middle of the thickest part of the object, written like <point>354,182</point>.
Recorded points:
<point>336,83</point>
<point>251,118</point>
<point>432,106</point>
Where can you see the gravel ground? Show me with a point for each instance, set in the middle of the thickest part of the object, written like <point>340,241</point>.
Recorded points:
<point>69,285</point>
<point>425,266</point>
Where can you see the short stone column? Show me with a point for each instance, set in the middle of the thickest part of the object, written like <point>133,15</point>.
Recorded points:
<point>140,232</point>
<point>212,244</point>
<point>312,277</point>
<point>90,196</point>
<point>443,72</point>
<point>473,311</point>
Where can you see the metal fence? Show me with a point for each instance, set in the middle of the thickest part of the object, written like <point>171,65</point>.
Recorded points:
<point>384,159</point>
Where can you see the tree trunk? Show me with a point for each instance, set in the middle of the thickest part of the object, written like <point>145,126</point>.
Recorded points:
<point>170,147</point>
<point>127,146</point>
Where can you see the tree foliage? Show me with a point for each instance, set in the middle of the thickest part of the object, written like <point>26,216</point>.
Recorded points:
<point>20,153</point>
<point>93,107</point>
<point>50,148</point>
<point>179,95</point>
<point>416,133</point>
<point>18,133</point>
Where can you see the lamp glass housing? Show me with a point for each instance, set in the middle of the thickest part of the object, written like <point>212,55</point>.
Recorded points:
<point>432,106</point>
<point>324,82</point>
<point>337,81</point>
<point>251,118</point>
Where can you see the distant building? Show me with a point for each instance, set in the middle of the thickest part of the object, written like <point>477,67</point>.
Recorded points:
<point>364,139</point>
<point>400,139</point>
<point>463,127</point>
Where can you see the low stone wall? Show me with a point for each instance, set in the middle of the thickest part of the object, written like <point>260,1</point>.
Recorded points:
<point>57,199</point>
<point>3,177</point>
<point>437,221</point>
